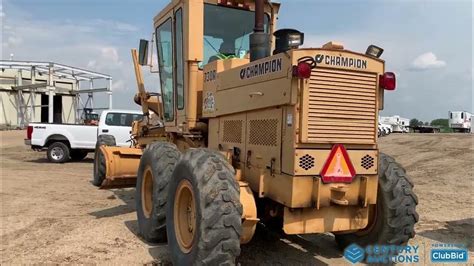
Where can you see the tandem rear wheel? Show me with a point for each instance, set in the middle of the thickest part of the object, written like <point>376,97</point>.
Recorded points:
<point>392,219</point>
<point>203,217</point>
<point>156,167</point>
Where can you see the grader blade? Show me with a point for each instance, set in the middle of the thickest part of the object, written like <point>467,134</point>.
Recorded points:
<point>121,166</point>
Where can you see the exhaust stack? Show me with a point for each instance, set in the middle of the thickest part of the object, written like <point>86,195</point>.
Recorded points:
<point>259,40</point>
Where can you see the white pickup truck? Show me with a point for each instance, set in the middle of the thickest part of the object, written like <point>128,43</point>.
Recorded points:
<point>70,141</point>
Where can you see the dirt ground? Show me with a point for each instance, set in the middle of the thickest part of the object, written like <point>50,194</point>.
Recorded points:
<point>50,213</point>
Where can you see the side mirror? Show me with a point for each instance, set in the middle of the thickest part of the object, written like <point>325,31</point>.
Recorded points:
<point>143,52</point>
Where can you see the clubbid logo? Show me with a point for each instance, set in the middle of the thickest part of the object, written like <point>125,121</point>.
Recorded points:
<point>445,253</point>
<point>354,253</point>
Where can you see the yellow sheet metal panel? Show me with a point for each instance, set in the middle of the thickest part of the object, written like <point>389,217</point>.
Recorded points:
<point>254,96</point>
<point>263,138</point>
<point>328,219</point>
<point>340,60</point>
<point>213,134</point>
<point>121,162</point>
<point>291,191</point>
<point>310,162</point>
<point>211,81</point>
<point>262,70</point>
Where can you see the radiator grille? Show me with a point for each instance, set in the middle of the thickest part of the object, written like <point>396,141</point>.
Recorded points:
<point>232,131</point>
<point>342,106</point>
<point>263,132</point>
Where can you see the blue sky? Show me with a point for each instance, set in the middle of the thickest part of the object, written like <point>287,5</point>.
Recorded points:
<point>428,44</point>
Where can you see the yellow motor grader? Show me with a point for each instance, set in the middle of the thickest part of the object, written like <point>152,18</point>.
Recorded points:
<point>253,129</point>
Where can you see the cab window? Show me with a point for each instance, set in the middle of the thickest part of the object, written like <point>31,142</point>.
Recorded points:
<point>227,32</point>
<point>178,28</point>
<point>164,43</point>
<point>121,119</point>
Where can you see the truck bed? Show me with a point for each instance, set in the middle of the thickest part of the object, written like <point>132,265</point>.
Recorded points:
<point>78,136</point>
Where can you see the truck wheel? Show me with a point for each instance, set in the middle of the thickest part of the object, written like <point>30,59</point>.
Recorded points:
<point>204,211</point>
<point>156,167</point>
<point>78,155</point>
<point>392,219</point>
<point>58,152</point>
<point>99,159</point>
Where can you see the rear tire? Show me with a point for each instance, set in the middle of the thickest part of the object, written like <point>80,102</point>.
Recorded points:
<point>58,152</point>
<point>156,167</point>
<point>78,155</point>
<point>207,230</point>
<point>395,210</point>
<point>99,159</point>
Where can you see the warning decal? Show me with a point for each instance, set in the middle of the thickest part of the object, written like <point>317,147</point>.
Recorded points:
<point>338,167</point>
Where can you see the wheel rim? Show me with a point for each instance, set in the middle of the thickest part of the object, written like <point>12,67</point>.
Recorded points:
<point>57,153</point>
<point>185,215</point>
<point>147,192</point>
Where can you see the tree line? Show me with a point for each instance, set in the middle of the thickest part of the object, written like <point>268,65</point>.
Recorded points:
<point>440,122</point>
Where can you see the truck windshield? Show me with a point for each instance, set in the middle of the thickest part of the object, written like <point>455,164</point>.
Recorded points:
<point>227,31</point>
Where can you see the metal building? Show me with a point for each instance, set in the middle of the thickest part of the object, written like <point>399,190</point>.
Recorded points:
<point>47,92</point>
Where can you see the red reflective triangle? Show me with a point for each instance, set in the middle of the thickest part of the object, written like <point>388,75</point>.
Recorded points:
<point>338,167</point>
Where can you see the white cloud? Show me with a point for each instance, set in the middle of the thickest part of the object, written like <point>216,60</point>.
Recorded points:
<point>14,40</point>
<point>2,14</point>
<point>110,54</point>
<point>119,85</point>
<point>427,61</point>
<point>95,44</point>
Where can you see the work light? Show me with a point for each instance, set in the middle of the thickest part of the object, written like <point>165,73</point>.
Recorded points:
<point>374,51</point>
<point>287,39</point>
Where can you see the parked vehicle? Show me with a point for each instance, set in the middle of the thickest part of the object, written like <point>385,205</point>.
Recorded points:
<point>64,142</point>
<point>460,121</point>
<point>397,124</point>
<point>384,129</point>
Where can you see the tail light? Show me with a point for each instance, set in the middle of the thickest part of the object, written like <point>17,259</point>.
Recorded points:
<point>302,70</point>
<point>29,132</point>
<point>388,81</point>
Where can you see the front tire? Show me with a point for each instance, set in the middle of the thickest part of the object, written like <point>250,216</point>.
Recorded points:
<point>204,210</point>
<point>156,167</point>
<point>395,212</point>
<point>99,159</point>
<point>58,152</point>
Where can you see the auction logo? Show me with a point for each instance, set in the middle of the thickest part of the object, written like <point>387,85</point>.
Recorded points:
<point>382,254</point>
<point>444,253</point>
<point>354,253</point>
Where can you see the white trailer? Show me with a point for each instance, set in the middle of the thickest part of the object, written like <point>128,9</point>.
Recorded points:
<point>398,124</point>
<point>460,121</point>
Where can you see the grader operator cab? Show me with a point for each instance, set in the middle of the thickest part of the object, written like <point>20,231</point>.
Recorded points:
<point>257,130</point>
